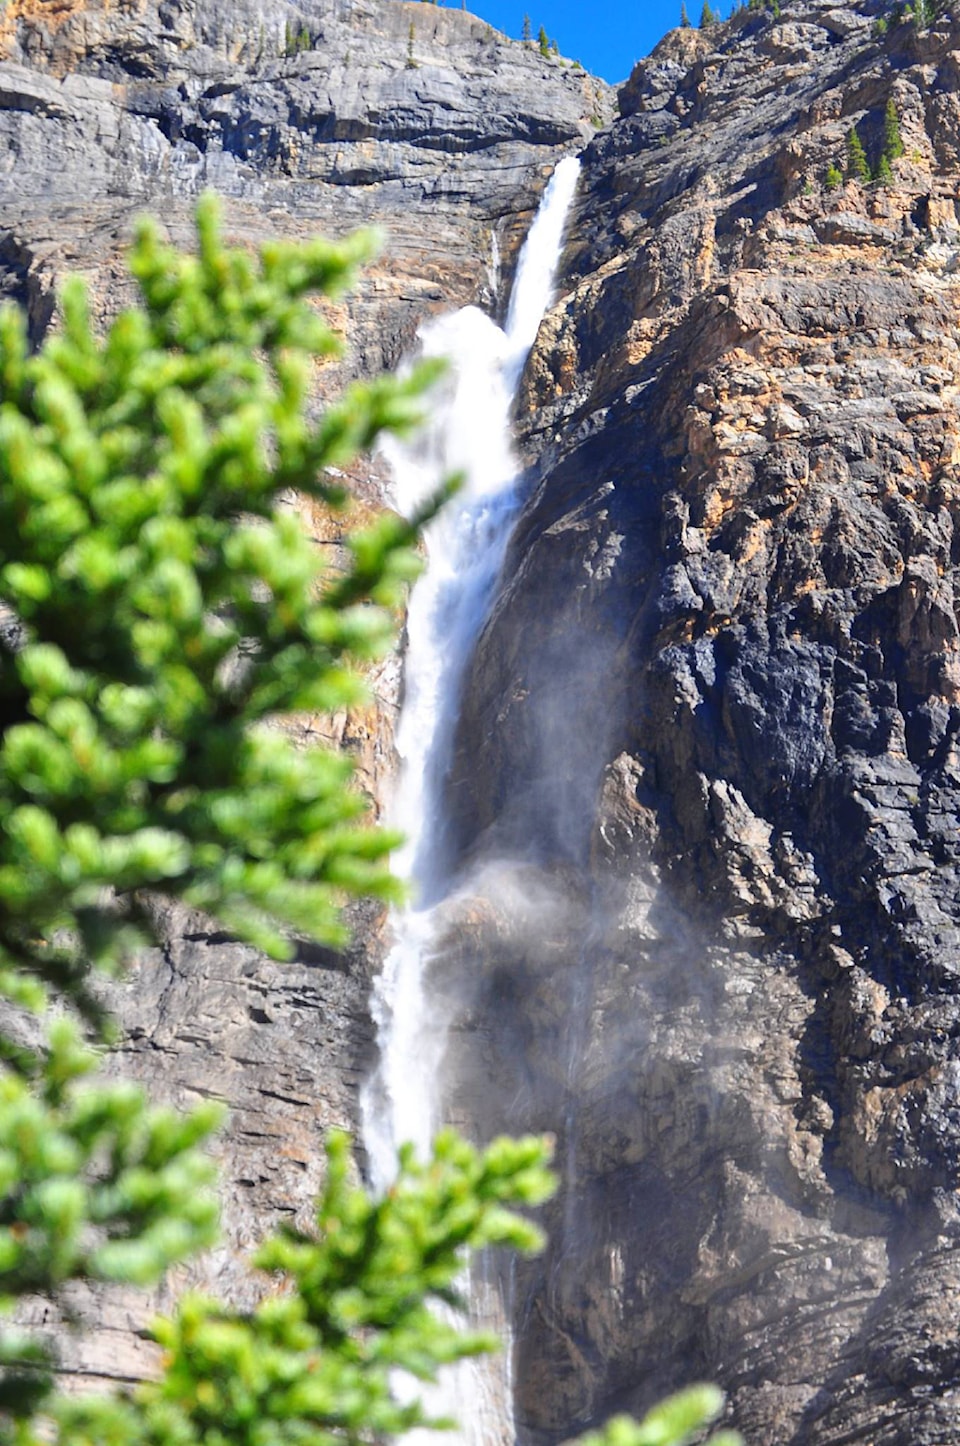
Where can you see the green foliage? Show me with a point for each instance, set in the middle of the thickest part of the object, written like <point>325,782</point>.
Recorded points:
<point>684,17</point>
<point>834,178</point>
<point>296,41</point>
<point>920,13</point>
<point>173,608</point>
<point>348,1305</point>
<point>543,42</point>
<point>352,1304</point>
<point>858,167</point>
<point>168,609</point>
<point>674,1421</point>
<point>411,63</point>
<point>93,1184</point>
<point>90,1177</point>
<point>892,139</point>
<point>708,16</point>
<point>857,164</point>
<point>526,32</point>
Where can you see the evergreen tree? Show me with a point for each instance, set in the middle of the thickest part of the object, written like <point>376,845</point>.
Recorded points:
<point>133,748</point>
<point>526,33</point>
<point>316,1361</point>
<point>834,178</point>
<point>684,17</point>
<point>892,139</point>
<point>543,42</point>
<point>922,13</point>
<point>708,16</point>
<point>884,174</point>
<point>858,167</point>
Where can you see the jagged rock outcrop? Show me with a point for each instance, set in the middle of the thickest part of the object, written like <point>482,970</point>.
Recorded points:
<point>306,118</point>
<point>717,707</point>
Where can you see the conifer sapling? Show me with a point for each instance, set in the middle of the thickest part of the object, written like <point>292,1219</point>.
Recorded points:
<point>892,139</point>
<point>858,167</point>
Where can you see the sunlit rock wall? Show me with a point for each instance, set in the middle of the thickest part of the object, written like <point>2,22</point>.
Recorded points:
<point>717,708</point>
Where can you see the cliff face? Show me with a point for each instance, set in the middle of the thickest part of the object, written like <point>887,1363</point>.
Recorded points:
<point>306,119</point>
<point>707,784</point>
<point>717,705</point>
<point>315,118</point>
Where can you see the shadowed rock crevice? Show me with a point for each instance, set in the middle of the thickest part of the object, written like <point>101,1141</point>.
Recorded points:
<point>18,283</point>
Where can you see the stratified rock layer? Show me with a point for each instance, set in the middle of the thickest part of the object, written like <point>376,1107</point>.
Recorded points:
<point>718,708</point>
<point>314,118</point>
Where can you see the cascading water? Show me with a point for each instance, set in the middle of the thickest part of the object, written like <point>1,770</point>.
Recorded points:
<point>470,433</point>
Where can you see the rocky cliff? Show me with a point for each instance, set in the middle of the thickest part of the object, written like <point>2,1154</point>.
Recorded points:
<point>717,705</point>
<point>309,118</point>
<point>707,784</point>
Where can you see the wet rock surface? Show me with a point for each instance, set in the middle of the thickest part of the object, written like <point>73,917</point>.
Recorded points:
<point>717,707</point>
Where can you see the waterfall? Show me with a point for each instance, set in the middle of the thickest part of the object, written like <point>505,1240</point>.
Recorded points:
<point>469,432</point>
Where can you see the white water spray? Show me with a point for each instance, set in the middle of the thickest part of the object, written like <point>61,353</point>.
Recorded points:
<point>470,432</point>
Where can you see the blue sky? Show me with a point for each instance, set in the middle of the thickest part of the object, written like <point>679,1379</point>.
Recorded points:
<point>606,36</point>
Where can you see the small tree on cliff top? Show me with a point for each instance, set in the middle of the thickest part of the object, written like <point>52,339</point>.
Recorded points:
<point>162,609</point>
